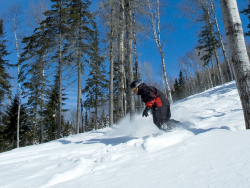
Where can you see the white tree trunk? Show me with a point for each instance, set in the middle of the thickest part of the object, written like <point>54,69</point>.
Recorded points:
<point>111,74</point>
<point>210,78</point>
<point>42,101</point>
<point>155,23</point>
<point>229,72</point>
<point>120,112</point>
<point>59,118</point>
<point>129,62</point>
<point>19,88</point>
<point>79,94</point>
<point>138,103</point>
<point>125,94</point>
<point>238,53</point>
<point>209,23</point>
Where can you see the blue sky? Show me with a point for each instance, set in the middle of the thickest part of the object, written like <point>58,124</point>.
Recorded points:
<point>182,39</point>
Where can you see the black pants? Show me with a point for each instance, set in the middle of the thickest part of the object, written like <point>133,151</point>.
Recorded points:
<point>161,115</point>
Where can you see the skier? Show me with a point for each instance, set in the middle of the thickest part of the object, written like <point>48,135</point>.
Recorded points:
<point>155,100</point>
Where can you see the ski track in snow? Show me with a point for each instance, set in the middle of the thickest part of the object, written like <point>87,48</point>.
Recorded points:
<point>75,161</point>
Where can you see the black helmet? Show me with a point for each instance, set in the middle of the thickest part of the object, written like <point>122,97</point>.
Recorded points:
<point>134,84</point>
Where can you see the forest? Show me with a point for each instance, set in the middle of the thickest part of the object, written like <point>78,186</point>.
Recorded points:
<point>65,43</point>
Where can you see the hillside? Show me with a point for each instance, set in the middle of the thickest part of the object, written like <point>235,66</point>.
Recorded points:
<point>212,151</point>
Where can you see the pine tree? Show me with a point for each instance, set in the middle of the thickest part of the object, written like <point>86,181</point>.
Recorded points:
<point>199,83</point>
<point>33,104</point>
<point>4,65</point>
<point>246,11</point>
<point>176,95</point>
<point>207,43</point>
<point>55,30</point>
<point>10,121</point>
<point>51,111</point>
<point>86,123</point>
<point>181,83</point>
<point>35,61</point>
<point>81,22</point>
<point>96,84</point>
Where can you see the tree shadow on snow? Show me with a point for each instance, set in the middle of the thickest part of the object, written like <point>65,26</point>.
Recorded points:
<point>64,141</point>
<point>111,141</point>
<point>197,131</point>
<point>107,141</point>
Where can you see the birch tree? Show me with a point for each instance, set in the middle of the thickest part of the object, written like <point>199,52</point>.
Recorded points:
<point>36,16</point>
<point>120,110</point>
<point>154,19</point>
<point>111,74</point>
<point>129,62</point>
<point>199,11</point>
<point>12,17</point>
<point>237,53</point>
<point>229,72</point>
<point>34,63</point>
<point>209,25</point>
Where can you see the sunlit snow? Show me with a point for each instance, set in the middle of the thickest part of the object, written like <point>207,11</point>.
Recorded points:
<point>212,151</point>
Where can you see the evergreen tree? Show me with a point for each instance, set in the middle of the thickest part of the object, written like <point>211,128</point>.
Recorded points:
<point>207,43</point>
<point>4,82</point>
<point>246,11</point>
<point>96,84</point>
<point>10,121</point>
<point>4,65</point>
<point>199,83</point>
<point>86,121</point>
<point>179,87</point>
<point>55,30</point>
<point>181,83</point>
<point>81,22</point>
<point>176,95</point>
<point>51,111</point>
<point>32,105</point>
<point>34,60</point>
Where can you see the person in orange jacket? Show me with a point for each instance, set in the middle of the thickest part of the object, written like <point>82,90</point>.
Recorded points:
<point>155,100</point>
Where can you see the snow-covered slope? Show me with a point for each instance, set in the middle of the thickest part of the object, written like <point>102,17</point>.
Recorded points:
<point>213,151</point>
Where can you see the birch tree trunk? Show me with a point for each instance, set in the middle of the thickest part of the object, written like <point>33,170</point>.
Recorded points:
<point>42,101</point>
<point>82,115</point>
<point>210,78</point>
<point>238,54</point>
<point>36,16</point>
<point>111,74</point>
<point>79,93</point>
<point>12,18</point>
<point>155,23</point>
<point>120,112</point>
<point>214,45</point>
<point>79,89</point>
<point>125,94</point>
<point>229,72</point>
<point>60,87</point>
<point>136,61</point>
<point>19,88</point>
<point>129,62</point>
<point>135,49</point>
<point>96,127</point>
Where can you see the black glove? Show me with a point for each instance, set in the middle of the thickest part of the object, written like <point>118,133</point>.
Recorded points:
<point>145,112</point>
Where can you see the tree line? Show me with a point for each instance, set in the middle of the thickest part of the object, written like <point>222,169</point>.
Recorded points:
<point>65,46</point>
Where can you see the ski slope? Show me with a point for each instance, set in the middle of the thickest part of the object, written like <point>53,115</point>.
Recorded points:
<point>212,151</point>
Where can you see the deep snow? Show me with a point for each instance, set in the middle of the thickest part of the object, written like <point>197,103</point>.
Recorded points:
<point>213,151</point>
